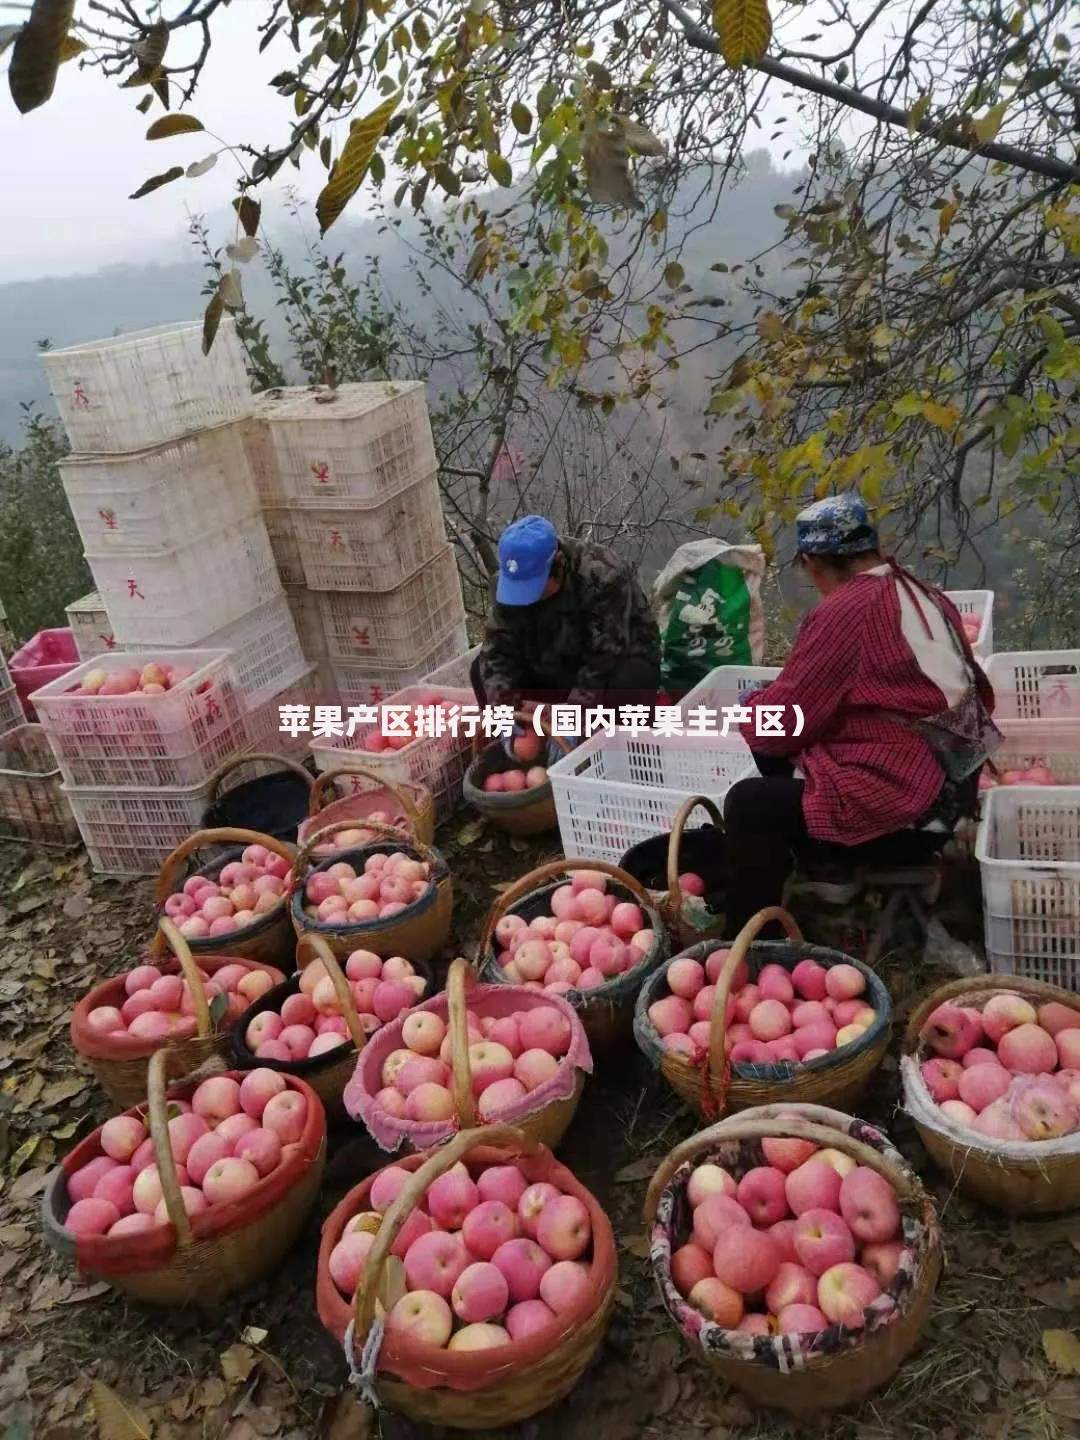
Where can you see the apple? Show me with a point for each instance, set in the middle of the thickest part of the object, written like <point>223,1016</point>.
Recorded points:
<point>822,1239</point>
<point>868,1204</point>
<point>791,1285</point>
<point>422,1315</point>
<point>715,1215</point>
<point>717,1301</point>
<point>1043,1110</point>
<point>434,1261</point>
<point>801,1320</point>
<point>952,1030</point>
<point>564,1228</point>
<point>981,1085</point>
<point>1003,1013</point>
<point>689,1264</point>
<point>528,1318</point>
<point>883,1260</point>
<point>91,1217</point>
<point>523,1263</point>
<point>844,1292</point>
<point>815,1185</point>
<point>746,1259</point>
<point>761,1193</point>
<point>480,1293</point>
<point>1055,1017</point>
<point>1027,1050</point>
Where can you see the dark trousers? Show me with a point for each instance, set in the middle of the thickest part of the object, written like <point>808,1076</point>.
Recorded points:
<point>766,834</point>
<point>632,682</point>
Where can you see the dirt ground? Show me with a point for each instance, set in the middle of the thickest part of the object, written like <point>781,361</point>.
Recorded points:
<point>261,1366</point>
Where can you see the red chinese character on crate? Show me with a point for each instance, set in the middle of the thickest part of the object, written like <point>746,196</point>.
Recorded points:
<point>213,710</point>
<point>377,693</point>
<point>337,541</point>
<point>109,641</point>
<point>109,518</point>
<point>133,591</point>
<point>321,470</point>
<point>360,635</point>
<point>79,397</point>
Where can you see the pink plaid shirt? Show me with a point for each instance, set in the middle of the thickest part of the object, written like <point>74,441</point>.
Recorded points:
<point>866,773</point>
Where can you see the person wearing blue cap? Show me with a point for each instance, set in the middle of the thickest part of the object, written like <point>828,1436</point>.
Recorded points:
<point>570,623</point>
<point>896,724</point>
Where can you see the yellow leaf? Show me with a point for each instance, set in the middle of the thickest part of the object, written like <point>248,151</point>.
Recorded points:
<point>770,326</point>
<point>945,417</point>
<point>883,336</point>
<point>945,217</point>
<point>170,125</point>
<point>38,53</point>
<point>70,48</point>
<point>988,125</point>
<point>745,29</point>
<point>352,164</point>
<point>117,1419</point>
<point>917,113</point>
<point>237,1363</point>
<point>1062,1348</point>
<point>211,320</point>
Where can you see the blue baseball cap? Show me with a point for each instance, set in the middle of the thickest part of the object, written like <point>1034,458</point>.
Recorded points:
<point>837,525</point>
<point>526,550</point>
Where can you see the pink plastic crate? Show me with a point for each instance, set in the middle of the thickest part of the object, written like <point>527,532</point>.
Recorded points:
<point>46,656</point>
<point>175,739</point>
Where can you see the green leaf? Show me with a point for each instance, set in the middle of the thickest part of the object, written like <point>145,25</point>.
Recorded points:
<point>745,29</point>
<point>156,181</point>
<point>38,53</point>
<point>988,125</point>
<point>170,125</point>
<point>499,169</point>
<point>917,113</point>
<point>521,115</point>
<point>220,1003</point>
<point>352,164</point>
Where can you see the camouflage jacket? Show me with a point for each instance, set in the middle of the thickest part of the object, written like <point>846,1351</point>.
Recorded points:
<point>572,642</point>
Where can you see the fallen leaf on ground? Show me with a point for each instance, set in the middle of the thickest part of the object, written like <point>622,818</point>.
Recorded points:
<point>1062,1349</point>
<point>237,1363</point>
<point>117,1419</point>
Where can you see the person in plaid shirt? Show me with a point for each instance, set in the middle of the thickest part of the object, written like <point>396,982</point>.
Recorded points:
<point>896,723</point>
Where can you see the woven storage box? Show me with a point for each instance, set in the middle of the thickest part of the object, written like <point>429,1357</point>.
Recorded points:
<point>32,803</point>
<point>614,791</point>
<point>181,594</point>
<point>391,628</point>
<point>372,548</point>
<point>11,711</point>
<point>175,739</point>
<point>90,625</point>
<point>281,528</point>
<point>1028,849</point>
<point>359,443</point>
<point>137,390</point>
<point>177,492</point>
<point>980,603</point>
<point>1035,684</point>
<point>362,683</point>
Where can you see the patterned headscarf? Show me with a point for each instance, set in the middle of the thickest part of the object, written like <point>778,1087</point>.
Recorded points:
<point>837,525</point>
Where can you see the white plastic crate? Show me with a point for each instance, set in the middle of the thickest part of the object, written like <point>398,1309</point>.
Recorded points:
<point>456,672</point>
<point>359,683</point>
<point>11,711</point>
<point>265,650</point>
<point>177,492</point>
<point>32,805</point>
<point>371,548</point>
<point>259,448</point>
<point>1035,684</point>
<point>392,628</point>
<point>981,603</point>
<point>175,739</point>
<point>361,443</point>
<point>1052,743</point>
<point>281,528</point>
<point>264,719</point>
<point>131,832</point>
<point>178,596</point>
<point>613,791</point>
<point>135,390</point>
<point>307,617</point>
<point>722,686</point>
<point>5,674</point>
<point>1028,848</point>
<point>90,625</point>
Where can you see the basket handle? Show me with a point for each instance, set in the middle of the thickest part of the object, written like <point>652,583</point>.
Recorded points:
<point>237,760</point>
<point>459,976</point>
<point>521,718</point>
<point>718,1071</point>
<point>686,809</point>
<point>399,792</point>
<point>169,935</point>
<point>304,857</point>
<point>537,877</point>
<point>322,950</point>
<point>505,1138</point>
<point>974,985</point>
<point>163,1156</point>
<point>227,835</point>
<point>747,1127</point>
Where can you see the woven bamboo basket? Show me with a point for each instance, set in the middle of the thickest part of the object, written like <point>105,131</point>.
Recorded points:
<point>120,1062</point>
<point>273,804</point>
<point>418,933</point>
<point>411,807</point>
<point>1020,1177</point>
<point>196,1260</point>
<point>800,1374</point>
<point>481,1390</point>
<point>522,812</point>
<point>544,1116</point>
<point>686,923</point>
<point>713,1085</point>
<point>327,1074</point>
<point>270,938</point>
<point>608,1011</point>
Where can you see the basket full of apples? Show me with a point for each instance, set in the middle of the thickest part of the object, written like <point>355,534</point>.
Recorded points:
<point>404,806</point>
<point>797,1252</point>
<point>509,786</point>
<point>991,1077</point>
<point>391,895</point>
<point>495,1269</point>
<point>475,1055</point>
<point>316,1022</point>
<point>167,1002</point>
<point>239,899</point>
<point>759,1021</point>
<point>192,1195</point>
<point>582,929</point>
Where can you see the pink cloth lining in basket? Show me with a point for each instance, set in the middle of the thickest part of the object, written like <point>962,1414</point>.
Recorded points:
<point>495,1000</point>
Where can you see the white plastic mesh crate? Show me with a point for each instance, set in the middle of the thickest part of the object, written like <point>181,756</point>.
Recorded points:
<point>1028,848</point>
<point>130,832</point>
<point>32,805</point>
<point>178,492</point>
<point>180,595</point>
<point>392,628</point>
<point>5,674</point>
<point>11,711</point>
<point>371,548</point>
<point>614,791</point>
<point>1035,684</point>
<point>360,683</point>
<point>90,626</point>
<point>1054,744</point>
<point>361,442</point>
<point>265,650</point>
<point>456,672</point>
<point>281,528</point>
<point>175,739</point>
<point>264,719</point>
<point>981,603</point>
<point>135,390</point>
<point>722,686</point>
